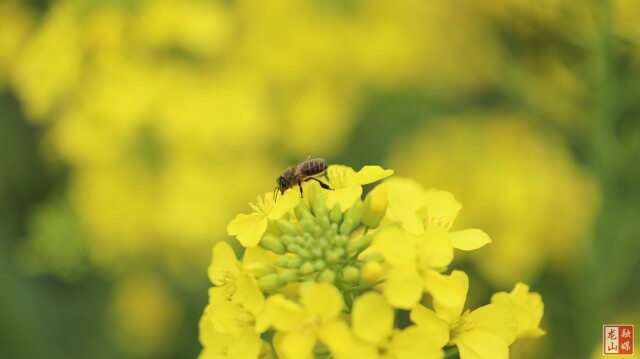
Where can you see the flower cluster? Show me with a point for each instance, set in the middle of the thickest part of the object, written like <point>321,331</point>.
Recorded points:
<point>330,274</point>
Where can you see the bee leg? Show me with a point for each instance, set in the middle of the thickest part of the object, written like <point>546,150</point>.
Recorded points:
<point>322,184</point>
<point>300,186</point>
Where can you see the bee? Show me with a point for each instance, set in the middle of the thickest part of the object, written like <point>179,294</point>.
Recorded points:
<point>303,171</point>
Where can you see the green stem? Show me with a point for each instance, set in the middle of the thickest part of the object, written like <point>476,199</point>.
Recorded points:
<point>451,352</point>
<point>360,288</point>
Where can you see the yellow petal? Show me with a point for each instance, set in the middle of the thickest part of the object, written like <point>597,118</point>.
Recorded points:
<point>403,287</point>
<point>212,340</point>
<point>527,308</point>
<point>414,343</point>
<point>248,228</point>
<point>322,300</point>
<point>396,246</point>
<point>285,203</point>
<point>435,250</point>
<point>344,196</point>
<point>372,318</point>
<point>406,191</point>
<point>340,176</point>
<point>337,336</point>
<point>369,174</point>
<point>469,239</point>
<point>249,294</point>
<point>224,265</point>
<point>442,209</point>
<point>283,314</point>
<point>296,345</point>
<point>495,319</point>
<point>478,344</point>
<point>409,220</point>
<point>436,328</point>
<point>224,313</point>
<point>449,293</point>
<point>245,346</point>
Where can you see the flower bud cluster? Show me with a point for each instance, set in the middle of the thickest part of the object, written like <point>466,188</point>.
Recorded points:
<point>317,244</point>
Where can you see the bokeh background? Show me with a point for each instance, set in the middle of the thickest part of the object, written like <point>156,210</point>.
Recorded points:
<point>132,131</point>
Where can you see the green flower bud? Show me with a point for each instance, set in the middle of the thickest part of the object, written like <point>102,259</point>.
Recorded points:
<point>289,275</point>
<point>307,225</point>
<point>287,239</point>
<point>375,207</point>
<point>293,248</point>
<point>307,268</point>
<point>304,253</point>
<point>360,243</point>
<point>282,262</point>
<point>355,211</point>
<point>348,225</point>
<point>324,223</point>
<point>270,281</point>
<point>316,252</point>
<point>327,275</point>
<point>273,244</point>
<point>319,207</point>
<point>339,240</point>
<point>294,262</point>
<point>287,227</point>
<point>335,255</point>
<point>319,264</point>
<point>336,213</point>
<point>350,274</point>
<point>303,210</point>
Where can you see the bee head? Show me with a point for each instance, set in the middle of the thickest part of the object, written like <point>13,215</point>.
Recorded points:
<point>283,184</point>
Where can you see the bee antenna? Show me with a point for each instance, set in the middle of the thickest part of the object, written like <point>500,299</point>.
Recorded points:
<point>275,194</point>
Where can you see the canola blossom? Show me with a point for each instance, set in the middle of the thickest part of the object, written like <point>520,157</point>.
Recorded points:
<point>330,274</point>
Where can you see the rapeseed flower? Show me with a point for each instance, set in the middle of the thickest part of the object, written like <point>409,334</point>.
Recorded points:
<point>324,275</point>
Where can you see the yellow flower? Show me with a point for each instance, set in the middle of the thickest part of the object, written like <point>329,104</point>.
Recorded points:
<point>415,259</point>
<point>347,183</point>
<point>484,333</point>
<point>249,228</point>
<point>216,345</point>
<point>298,324</point>
<point>527,307</point>
<point>372,321</point>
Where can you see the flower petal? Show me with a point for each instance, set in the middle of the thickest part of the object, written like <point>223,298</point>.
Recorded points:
<point>442,209</point>
<point>413,342</point>
<point>527,307</point>
<point>344,196</point>
<point>469,239</point>
<point>403,287</point>
<point>436,328</point>
<point>248,228</point>
<point>495,319</point>
<point>410,221</point>
<point>281,313</point>
<point>285,203</point>
<point>396,246</point>
<point>224,265</point>
<point>322,300</point>
<point>369,174</point>
<point>435,249</point>
<point>336,335</point>
<point>249,294</point>
<point>449,293</point>
<point>245,345</point>
<point>372,318</point>
<point>297,345</point>
<point>479,344</point>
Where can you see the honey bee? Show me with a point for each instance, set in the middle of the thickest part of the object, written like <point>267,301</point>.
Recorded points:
<point>303,171</point>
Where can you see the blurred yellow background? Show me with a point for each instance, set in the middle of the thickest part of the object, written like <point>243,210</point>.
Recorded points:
<point>132,131</point>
